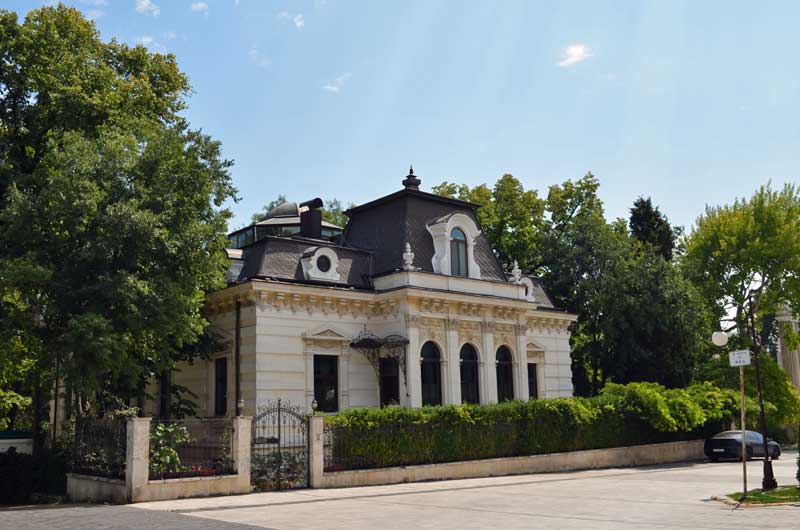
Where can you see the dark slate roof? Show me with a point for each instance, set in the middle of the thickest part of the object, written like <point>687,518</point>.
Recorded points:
<point>372,243</point>
<point>540,295</point>
<point>279,258</point>
<point>385,225</point>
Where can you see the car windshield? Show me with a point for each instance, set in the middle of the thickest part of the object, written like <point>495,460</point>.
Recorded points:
<point>729,434</point>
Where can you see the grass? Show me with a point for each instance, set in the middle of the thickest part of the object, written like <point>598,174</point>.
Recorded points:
<point>782,494</point>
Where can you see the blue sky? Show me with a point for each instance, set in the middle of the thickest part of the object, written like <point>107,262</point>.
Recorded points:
<point>692,103</point>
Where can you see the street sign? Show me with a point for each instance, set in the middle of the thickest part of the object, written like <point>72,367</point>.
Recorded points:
<point>739,358</point>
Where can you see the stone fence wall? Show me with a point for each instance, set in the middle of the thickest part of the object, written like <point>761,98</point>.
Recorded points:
<point>138,487</point>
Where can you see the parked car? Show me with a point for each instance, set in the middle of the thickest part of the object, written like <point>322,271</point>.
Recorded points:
<point>728,444</point>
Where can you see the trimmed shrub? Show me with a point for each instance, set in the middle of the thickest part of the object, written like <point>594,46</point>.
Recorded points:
<point>634,414</point>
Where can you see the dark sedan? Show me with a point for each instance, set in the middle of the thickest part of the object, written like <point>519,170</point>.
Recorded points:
<point>728,444</point>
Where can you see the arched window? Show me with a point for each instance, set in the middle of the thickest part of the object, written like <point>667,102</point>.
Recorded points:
<point>505,374</point>
<point>458,253</point>
<point>470,392</point>
<point>431,372</point>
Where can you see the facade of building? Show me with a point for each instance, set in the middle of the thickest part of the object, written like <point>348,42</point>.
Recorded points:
<point>407,305</point>
<point>789,358</point>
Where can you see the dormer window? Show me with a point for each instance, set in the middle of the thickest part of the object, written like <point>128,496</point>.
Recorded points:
<point>454,238</point>
<point>458,253</point>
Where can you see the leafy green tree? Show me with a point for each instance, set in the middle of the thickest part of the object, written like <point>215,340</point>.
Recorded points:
<point>112,225</point>
<point>638,318</point>
<point>509,215</point>
<point>784,402</point>
<point>650,226</point>
<point>655,321</point>
<point>745,257</point>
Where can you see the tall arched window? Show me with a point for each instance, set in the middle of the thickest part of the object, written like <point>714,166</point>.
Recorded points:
<point>470,392</point>
<point>431,372</point>
<point>458,253</point>
<point>505,374</point>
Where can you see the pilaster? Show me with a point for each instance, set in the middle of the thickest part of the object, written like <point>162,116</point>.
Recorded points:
<point>489,367</point>
<point>414,380</point>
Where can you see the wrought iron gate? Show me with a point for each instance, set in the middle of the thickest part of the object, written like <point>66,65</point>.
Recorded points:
<point>279,457</point>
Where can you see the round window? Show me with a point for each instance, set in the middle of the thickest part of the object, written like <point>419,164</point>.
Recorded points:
<point>323,264</point>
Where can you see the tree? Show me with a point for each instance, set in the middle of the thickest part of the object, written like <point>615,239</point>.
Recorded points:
<point>745,257</point>
<point>112,227</point>
<point>509,215</point>
<point>655,320</point>
<point>650,226</point>
<point>334,213</point>
<point>638,318</point>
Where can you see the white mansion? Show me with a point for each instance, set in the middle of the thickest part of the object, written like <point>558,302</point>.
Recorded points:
<point>407,304</point>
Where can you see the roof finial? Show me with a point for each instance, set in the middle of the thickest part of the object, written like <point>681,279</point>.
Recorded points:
<point>411,182</point>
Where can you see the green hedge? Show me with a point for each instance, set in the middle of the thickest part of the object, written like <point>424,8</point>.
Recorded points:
<point>634,414</point>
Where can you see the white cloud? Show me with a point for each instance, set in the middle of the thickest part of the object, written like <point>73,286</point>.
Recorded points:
<point>145,40</point>
<point>94,2</point>
<point>574,54</point>
<point>258,58</point>
<point>297,19</point>
<point>336,85</point>
<point>147,7</point>
<point>200,7</point>
<point>94,14</point>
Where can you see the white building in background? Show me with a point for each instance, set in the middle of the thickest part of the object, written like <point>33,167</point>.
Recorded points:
<point>407,304</point>
<point>788,358</point>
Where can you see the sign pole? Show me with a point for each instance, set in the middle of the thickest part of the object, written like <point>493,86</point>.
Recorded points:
<point>741,358</point>
<point>744,444</point>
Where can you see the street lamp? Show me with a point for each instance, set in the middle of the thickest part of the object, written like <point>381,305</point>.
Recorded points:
<point>768,482</point>
<point>720,339</point>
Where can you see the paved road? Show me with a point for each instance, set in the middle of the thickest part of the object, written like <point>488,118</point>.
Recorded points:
<point>666,497</point>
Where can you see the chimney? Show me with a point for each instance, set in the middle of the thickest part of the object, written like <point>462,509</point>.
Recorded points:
<point>311,219</point>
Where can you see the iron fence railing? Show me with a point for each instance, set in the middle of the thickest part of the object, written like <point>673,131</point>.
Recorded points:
<point>191,448</point>
<point>100,447</point>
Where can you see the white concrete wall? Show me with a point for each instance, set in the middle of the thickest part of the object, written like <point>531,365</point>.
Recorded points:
<point>22,445</point>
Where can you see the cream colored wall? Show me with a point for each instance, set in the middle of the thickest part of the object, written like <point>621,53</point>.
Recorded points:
<point>284,326</point>
<point>555,374</point>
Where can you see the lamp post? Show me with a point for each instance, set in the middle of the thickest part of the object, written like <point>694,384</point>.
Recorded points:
<point>768,482</point>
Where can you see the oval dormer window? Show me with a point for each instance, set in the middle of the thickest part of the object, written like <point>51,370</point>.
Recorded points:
<point>458,252</point>
<point>323,264</point>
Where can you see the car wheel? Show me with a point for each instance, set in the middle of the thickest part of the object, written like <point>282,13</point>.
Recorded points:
<point>714,458</point>
<point>777,454</point>
<point>749,453</point>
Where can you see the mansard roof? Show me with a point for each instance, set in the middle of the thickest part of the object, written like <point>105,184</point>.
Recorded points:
<point>385,225</point>
<point>280,258</point>
<point>373,243</point>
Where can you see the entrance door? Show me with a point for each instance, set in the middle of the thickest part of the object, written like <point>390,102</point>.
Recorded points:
<point>390,381</point>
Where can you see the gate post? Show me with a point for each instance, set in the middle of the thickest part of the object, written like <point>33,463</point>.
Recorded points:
<point>240,448</point>
<point>137,457</point>
<point>316,440</point>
